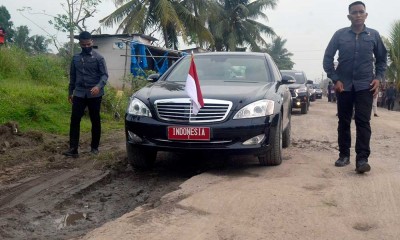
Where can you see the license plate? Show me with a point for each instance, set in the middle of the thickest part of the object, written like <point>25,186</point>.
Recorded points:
<point>189,133</point>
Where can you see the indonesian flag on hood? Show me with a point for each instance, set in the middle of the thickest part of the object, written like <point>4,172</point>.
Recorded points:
<point>192,88</point>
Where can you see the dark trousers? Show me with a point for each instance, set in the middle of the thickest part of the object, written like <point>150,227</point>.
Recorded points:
<point>362,103</point>
<point>78,109</point>
<point>390,103</point>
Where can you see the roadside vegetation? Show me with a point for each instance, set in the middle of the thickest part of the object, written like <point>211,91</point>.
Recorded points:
<point>34,94</point>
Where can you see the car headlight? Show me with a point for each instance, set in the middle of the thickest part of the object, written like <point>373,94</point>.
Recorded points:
<point>137,107</point>
<point>256,109</point>
<point>301,90</point>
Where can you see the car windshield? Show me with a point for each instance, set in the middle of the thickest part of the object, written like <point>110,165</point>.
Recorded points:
<point>316,86</point>
<point>299,76</point>
<point>227,68</point>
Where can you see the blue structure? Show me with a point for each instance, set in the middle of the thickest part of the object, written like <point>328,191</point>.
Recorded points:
<point>138,63</point>
<point>140,54</point>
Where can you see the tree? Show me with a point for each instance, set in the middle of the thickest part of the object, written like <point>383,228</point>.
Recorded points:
<point>171,18</point>
<point>21,38</point>
<point>6,23</point>
<point>35,44</point>
<point>279,53</point>
<point>39,44</point>
<point>233,24</point>
<point>393,45</point>
<point>76,13</point>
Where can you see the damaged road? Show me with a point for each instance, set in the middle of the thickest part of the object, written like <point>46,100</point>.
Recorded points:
<point>44,195</point>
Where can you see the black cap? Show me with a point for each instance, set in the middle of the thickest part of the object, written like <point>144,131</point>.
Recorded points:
<point>85,35</point>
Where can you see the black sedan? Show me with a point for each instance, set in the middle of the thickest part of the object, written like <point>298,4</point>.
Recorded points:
<point>247,110</point>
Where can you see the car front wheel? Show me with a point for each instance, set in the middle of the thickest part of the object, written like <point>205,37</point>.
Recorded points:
<point>273,156</point>
<point>140,158</point>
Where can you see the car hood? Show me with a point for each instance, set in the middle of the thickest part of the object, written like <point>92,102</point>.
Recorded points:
<point>295,85</point>
<point>231,91</point>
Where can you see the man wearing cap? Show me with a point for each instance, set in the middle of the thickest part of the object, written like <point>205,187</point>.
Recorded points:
<point>88,76</point>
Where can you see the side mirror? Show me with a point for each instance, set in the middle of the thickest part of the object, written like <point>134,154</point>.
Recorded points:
<point>153,77</point>
<point>286,79</point>
<point>310,82</point>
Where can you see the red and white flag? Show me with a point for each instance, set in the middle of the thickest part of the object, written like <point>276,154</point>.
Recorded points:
<point>193,88</point>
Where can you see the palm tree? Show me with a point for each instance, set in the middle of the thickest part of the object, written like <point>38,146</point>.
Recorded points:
<point>279,53</point>
<point>39,44</point>
<point>234,24</point>
<point>393,44</point>
<point>172,18</point>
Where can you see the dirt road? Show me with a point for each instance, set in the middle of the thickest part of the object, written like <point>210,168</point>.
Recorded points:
<point>304,198</point>
<point>44,195</point>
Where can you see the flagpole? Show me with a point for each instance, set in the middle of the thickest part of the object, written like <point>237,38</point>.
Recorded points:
<point>191,102</point>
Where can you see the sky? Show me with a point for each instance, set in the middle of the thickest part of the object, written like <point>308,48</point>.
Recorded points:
<point>307,25</point>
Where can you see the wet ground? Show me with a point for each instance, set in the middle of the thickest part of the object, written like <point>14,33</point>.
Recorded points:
<point>44,195</point>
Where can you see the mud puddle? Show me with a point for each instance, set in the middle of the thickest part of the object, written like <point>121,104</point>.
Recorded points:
<point>67,203</point>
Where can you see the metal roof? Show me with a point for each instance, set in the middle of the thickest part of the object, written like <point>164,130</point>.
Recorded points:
<point>123,35</point>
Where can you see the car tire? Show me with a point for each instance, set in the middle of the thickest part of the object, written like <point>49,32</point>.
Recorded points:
<point>273,156</point>
<point>287,134</point>
<point>140,158</point>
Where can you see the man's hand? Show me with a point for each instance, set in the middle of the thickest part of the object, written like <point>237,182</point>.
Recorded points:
<point>375,86</point>
<point>94,91</point>
<point>339,87</point>
<point>70,98</point>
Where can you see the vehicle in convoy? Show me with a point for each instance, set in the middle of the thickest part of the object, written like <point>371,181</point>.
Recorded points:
<point>299,90</point>
<point>318,91</point>
<point>311,90</point>
<point>247,110</point>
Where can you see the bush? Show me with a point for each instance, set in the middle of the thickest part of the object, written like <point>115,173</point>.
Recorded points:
<point>45,68</point>
<point>12,63</point>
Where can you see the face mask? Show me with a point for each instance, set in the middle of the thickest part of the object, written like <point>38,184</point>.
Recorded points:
<point>87,50</point>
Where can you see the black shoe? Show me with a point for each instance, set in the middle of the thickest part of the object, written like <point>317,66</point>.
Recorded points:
<point>72,152</point>
<point>376,115</point>
<point>362,167</point>
<point>94,151</point>
<point>342,161</point>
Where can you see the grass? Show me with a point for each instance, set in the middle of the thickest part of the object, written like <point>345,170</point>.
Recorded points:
<point>34,93</point>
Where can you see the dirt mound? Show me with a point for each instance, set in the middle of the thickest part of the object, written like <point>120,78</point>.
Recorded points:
<point>24,154</point>
<point>11,137</point>
<point>27,152</point>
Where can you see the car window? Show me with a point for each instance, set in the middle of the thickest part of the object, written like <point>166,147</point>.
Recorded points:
<point>299,76</point>
<point>223,68</point>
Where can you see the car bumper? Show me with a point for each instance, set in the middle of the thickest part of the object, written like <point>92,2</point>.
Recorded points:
<point>225,138</point>
<point>299,101</point>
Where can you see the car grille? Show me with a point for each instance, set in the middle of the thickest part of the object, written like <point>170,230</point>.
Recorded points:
<point>178,110</point>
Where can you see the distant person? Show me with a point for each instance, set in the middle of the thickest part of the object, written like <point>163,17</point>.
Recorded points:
<point>375,105</point>
<point>88,76</point>
<point>391,95</point>
<point>380,98</point>
<point>330,87</point>
<point>356,82</point>
<point>2,36</point>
